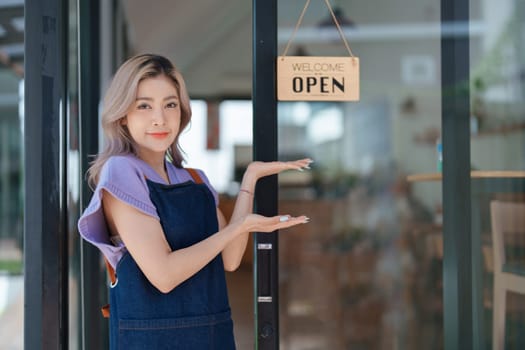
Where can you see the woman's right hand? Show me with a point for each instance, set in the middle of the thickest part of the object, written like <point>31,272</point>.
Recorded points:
<point>260,223</point>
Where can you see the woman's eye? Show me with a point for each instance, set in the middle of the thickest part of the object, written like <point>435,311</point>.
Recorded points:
<point>143,106</point>
<point>172,105</point>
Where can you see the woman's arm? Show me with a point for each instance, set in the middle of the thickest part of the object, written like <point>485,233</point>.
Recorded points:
<point>165,269</point>
<point>234,250</point>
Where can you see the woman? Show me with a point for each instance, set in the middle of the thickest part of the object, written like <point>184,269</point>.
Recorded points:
<point>158,224</point>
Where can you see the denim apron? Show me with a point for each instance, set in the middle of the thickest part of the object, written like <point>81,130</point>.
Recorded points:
<point>196,314</point>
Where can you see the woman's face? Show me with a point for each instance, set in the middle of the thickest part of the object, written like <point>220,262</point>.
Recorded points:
<point>153,120</point>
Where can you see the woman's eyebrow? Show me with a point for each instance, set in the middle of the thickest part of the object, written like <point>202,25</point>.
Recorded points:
<point>151,99</point>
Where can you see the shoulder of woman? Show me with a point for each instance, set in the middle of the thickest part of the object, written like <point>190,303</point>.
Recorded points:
<point>122,168</point>
<point>202,174</point>
<point>124,178</point>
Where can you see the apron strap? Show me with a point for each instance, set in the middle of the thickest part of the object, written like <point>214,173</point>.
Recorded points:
<point>195,175</point>
<point>113,278</point>
<point>111,271</point>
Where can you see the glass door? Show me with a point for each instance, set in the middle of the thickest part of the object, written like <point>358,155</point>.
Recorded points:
<point>366,272</point>
<point>497,154</point>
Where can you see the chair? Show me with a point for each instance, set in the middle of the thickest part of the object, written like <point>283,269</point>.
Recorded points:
<point>508,221</point>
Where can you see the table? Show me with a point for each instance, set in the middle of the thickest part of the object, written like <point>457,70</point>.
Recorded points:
<point>475,174</point>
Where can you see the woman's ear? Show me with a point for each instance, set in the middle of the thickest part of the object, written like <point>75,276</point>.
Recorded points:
<point>124,121</point>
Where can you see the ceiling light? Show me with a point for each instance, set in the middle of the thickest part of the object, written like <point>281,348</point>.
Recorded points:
<point>341,18</point>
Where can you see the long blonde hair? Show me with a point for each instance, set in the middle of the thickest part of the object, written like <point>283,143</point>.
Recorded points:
<point>119,97</point>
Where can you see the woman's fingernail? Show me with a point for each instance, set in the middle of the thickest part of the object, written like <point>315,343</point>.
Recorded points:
<point>300,169</point>
<point>284,218</point>
<point>307,167</point>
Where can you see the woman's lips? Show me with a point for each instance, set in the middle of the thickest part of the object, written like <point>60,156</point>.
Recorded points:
<point>159,135</point>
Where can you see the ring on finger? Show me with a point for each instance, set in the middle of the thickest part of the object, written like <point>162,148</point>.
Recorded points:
<point>284,218</point>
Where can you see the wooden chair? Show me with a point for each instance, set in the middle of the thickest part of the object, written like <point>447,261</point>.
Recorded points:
<point>508,221</point>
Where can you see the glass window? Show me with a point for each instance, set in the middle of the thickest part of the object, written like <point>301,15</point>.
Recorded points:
<point>366,272</point>
<point>497,95</point>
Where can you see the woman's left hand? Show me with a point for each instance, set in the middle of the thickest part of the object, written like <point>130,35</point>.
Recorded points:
<point>261,169</point>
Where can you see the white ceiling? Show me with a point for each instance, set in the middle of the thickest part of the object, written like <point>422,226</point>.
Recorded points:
<point>208,40</point>
<point>211,40</point>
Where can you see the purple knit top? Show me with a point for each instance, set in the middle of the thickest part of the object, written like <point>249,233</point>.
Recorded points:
<point>124,177</point>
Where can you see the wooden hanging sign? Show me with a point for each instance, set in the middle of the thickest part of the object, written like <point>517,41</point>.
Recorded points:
<point>310,78</point>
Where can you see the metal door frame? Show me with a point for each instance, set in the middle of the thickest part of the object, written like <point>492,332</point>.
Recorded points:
<point>266,264</point>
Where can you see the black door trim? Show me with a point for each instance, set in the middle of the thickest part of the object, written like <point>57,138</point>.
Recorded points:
<point>265,149</point>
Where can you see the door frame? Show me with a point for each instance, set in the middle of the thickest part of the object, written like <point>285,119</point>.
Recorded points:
<point>266,263</point>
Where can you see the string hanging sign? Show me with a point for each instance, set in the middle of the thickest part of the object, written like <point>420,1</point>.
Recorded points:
<point>317,78</point>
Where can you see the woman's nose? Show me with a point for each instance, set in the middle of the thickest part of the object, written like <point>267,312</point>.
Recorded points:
<point>158,117</point>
